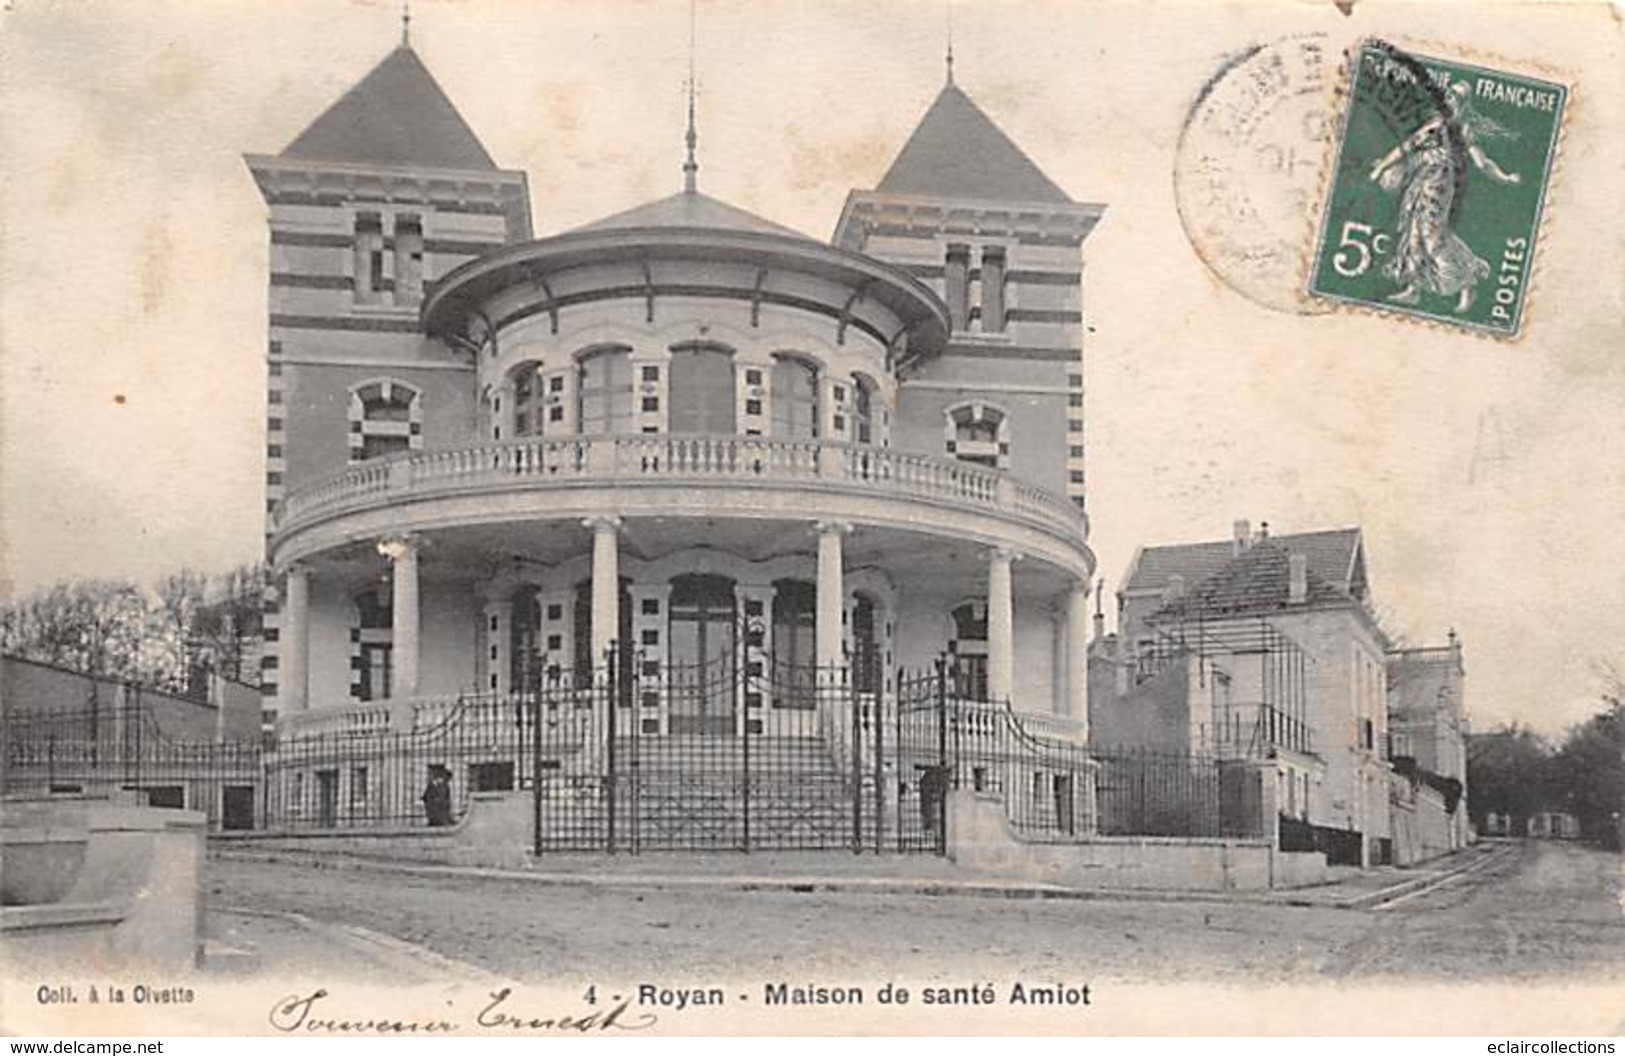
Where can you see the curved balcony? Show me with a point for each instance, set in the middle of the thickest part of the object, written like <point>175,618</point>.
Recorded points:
<point>676,475</point>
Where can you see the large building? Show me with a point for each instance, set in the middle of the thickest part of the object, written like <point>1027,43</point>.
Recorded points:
<point>684,444</point>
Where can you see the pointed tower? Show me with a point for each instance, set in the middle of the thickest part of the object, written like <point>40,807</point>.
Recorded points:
<point>963,209</point>
<point>381,195</point>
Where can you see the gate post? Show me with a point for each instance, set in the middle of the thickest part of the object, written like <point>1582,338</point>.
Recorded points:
<point>743,720</point>
<point>944,782</point>
<point>877,679</point>
<point>607,691</point>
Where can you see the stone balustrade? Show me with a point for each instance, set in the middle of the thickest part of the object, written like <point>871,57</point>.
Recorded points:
<point>496,466</point>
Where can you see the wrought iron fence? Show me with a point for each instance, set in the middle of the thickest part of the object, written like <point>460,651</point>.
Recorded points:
<point>634,756</point>
<point>123,749</point>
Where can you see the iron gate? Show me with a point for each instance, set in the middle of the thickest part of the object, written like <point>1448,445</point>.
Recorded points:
<point>722,753</point>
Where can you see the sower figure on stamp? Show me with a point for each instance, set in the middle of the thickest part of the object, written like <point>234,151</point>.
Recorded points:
<point>1425,168</point>
<point>437,796</point>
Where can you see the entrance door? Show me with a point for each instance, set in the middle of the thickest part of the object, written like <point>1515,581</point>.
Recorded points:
<point>701,668</point>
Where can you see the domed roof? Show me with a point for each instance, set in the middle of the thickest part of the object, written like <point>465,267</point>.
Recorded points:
<point>691,210</point>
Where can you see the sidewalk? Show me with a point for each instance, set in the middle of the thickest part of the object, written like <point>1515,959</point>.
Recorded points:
<point>873,874</point>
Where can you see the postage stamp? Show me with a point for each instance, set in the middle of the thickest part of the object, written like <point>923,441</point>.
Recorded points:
<point>1436,194</point>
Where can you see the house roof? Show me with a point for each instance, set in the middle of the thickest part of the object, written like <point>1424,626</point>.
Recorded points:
<point>1255,582</point>
<point>691,209</point>
<point>1421,680</point>
<point>1335,555</point>
<point>957,151</point>
<point>396,115</point>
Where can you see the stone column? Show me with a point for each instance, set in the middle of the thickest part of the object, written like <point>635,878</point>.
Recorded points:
<point>404,615</point>
<point>293,639</point>
<point>1001,637</point>
<point>1077,657</point>
<point>831,595</point>
<point>606,584</point>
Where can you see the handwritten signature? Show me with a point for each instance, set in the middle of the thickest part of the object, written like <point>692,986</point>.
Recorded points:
<point>299,1013</point>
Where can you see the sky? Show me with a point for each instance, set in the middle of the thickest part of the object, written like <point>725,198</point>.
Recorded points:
<point>1488,476</point>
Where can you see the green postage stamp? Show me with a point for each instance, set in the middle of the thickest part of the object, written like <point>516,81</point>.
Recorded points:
<point>1437,191</point>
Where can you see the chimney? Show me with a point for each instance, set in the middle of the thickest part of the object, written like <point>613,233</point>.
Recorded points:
<point>1297,578</point>
<point>1174,590</point>
<point>1243,537</point>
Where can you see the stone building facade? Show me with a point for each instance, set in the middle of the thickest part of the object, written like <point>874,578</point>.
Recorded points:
<point>683,432</point>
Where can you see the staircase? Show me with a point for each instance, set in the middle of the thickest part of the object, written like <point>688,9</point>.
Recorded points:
<point>691,792</point>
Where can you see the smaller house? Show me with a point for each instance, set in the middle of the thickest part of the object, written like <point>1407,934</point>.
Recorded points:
<point>1259,648</point>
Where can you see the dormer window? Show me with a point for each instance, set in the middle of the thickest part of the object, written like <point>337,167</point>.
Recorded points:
<point>976,433</point>
<point>385,418</point>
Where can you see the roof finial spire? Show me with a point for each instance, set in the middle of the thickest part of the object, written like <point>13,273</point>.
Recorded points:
<point>950,53</point>
<point>406,23</point>
<point>691,167</point>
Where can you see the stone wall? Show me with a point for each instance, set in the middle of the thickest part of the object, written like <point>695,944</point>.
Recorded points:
<point>980,838</point>
<point>103,885</point>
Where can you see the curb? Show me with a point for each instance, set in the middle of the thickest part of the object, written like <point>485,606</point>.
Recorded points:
<point>1384,897</point>
<point>969,888</point>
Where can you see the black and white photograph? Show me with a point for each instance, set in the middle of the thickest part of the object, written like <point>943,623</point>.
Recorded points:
<point>523,518</point>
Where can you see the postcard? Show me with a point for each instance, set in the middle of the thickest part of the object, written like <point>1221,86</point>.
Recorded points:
<point>901,518</point>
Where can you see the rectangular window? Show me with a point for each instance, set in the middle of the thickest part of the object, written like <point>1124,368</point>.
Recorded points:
<point>993,315</point>
<point>408,260</point>
<point>369,258</point>
<point>956,278</point>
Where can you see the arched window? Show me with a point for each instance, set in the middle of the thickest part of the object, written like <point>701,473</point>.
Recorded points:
<point>968,648</point>
<point>976,433</point>
<point>386,417</point>
<point>795,616</point>
<point>795,398</point>
<point>606,390</point>
<point>863,410</point>
<point>701,389</point>
<point>371,665</point>
<point>529,401</point>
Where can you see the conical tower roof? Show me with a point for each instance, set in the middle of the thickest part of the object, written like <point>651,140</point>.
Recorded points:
<point>958,152</point>
<point>396,115</point>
